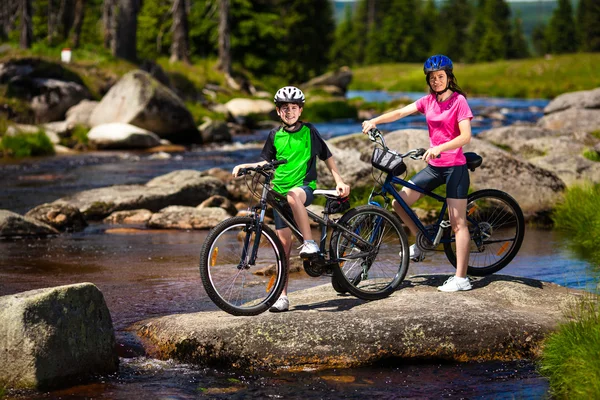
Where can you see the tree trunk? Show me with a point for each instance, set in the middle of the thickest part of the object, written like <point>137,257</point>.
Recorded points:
<point>224,63</point>
<point>124,42</point>
<point>26,25</point>
<point>78,23</point>
<point>65,18</point>
<point>371,10</point>
<point>51,22</point>
<point>180,44</point>
<point>108,22</point>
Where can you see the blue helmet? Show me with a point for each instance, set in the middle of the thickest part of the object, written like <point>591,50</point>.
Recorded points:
<point>437,63</point>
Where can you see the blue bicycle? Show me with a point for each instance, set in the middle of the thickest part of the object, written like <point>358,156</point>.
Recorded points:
<point>495,220</point>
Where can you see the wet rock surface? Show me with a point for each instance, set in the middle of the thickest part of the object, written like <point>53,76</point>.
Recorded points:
<point>502,318</point>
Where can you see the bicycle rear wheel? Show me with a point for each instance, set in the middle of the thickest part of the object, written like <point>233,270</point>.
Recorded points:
<point>497,227</point>
<point>229,280</point>
<point>377,272</point>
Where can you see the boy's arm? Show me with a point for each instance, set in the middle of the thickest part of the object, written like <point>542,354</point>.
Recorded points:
<point>342,189</point>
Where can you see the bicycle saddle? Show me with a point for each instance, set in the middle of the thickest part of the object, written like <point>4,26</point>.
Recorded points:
<point>474,160</point>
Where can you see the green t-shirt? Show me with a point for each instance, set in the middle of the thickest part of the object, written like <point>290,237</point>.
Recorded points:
<point>301,149</point>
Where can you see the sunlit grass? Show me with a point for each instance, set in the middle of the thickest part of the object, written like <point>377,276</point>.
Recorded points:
<point>571,355</point>
<point>26,145</point>
<point>527,78</point>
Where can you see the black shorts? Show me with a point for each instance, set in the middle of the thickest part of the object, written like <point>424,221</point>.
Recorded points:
<point>456,179</point>
<point>279,223</point>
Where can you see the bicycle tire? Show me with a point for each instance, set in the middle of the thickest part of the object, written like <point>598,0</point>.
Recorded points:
<point>501,230</point>
<point>231,284</point>
<point>379,275</point>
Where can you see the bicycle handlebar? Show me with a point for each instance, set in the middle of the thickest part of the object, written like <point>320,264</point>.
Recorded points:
<point>262,169</point>
<point>376,136</point>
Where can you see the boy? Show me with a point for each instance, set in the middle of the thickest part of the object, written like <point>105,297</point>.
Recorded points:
<point>300,144</point>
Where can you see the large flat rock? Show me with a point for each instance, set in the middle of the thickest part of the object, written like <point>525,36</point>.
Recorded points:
<point>503,318</point>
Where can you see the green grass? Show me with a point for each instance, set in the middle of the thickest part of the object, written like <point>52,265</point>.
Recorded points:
<point>591,155</point>
<point>26,145</point>
<point>528,78</point>
<point>328,110</point>
<point>571,355</point>
<point>578,215</point>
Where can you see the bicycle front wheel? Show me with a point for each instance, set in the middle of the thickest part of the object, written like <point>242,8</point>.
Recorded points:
<point>231,282</point>
<point>497,227</point>
<point>373,268</point>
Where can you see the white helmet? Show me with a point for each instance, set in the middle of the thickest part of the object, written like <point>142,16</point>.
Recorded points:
<point>289,94</point>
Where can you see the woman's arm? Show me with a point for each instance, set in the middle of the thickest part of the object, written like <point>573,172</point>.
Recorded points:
<point>389,117</point>
<point>464,138</point>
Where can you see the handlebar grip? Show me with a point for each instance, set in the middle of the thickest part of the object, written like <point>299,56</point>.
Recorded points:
<point>373,134</point>
<point>277,163</point>
<point>419,152</point>
<point>242,172</point>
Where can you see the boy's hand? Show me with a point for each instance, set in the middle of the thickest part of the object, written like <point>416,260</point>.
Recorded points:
<point>236,169</point>
<point>342,189</point>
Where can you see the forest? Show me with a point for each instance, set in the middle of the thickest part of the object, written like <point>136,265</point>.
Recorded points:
<point>297,40</point>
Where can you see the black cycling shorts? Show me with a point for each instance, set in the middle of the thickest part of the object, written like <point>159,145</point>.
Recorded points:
<point>279,223</point>
<point>456,179</point>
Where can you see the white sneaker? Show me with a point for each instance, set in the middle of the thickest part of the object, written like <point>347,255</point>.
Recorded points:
<point>455,284</point>
<point>309,249</point>
<point>416,254</point>
<point>282,304</point>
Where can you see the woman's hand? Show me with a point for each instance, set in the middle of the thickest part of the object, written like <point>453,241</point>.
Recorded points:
<point>431,153</point>
<point>367,126</point>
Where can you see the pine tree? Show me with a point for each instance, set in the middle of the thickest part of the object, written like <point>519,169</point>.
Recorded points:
<point>179,29</point>
<point>343,49</point>
<point>455,17</point>
<point>588,24</point>
<point>518,48</point>
<point>561,35</point>
<point>26,24</point>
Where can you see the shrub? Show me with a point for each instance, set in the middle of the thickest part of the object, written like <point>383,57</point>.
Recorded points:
<point>591,155</point>
<point>578,215</point>
<point>26,145</point>
<point>328,110</point>
<point>570,355</point>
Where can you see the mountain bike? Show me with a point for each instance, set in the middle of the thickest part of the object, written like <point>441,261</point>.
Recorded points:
<point>244,268</point>
<point>495,219</point>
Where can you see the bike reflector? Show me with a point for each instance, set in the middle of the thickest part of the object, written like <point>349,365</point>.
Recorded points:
<point>270,284</point>
<point>503,249</point>
<point>213,257</point>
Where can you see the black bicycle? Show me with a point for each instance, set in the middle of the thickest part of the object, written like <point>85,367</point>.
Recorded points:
<point>243,266</point>
<point>494,218</point>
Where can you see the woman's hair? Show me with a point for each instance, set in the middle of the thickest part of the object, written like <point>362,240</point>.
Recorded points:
<point>452,83</point>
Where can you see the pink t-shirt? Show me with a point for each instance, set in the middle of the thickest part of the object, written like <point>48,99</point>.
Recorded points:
<point>442,120</point>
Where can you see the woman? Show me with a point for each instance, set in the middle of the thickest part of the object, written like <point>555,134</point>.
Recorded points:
<point>449,121</point>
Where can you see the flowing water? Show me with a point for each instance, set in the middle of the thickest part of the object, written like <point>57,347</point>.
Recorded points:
<point>145,273</point>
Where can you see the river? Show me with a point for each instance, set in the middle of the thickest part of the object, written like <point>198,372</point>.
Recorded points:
<point>145,273</point>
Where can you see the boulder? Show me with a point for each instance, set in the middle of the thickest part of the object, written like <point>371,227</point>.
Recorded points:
<point>80,113</point>
<point>49,337</point>
<point>180,217</point>
<point>215,132</point>
<point>15,225</point>
<point>353,170</point>
<point>140,100</point>
<point>335,82</point>
<point>560,151</point>
<point>503,318</point>
<point>242,107</point>
<point>129,217</point>
<point>535,189</point>
<point>63,217</point>
<point>219,201</point>
<point>572,119</point>
<point>183,187</point>
<point>50,98</point>
<point>122,136</point>
<point>579,99</point>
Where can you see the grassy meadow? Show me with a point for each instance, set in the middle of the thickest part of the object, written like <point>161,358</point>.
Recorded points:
<point>528,78</point>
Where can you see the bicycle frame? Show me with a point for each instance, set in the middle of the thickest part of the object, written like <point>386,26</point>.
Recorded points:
<point>278,202</point>
<point>388,188</point>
